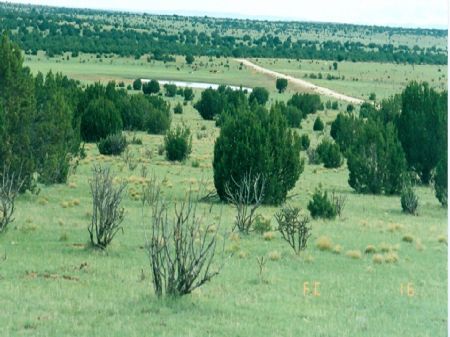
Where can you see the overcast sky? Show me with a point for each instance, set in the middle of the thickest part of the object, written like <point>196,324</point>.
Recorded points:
<point>407,13</point>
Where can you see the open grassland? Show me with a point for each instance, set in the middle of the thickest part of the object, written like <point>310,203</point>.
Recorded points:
<point>357,79</point>
<point>360,79</point>
<point>53,284</point>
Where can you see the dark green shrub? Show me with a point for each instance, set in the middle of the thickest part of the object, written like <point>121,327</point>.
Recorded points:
<point>190,59</point>
<point>321,206</point>
<point>335,105</point>
<point>372,96</point>
<point>307,103</point>
<point>188,94</point>
<point>318,125</point>
<point>281,84</point>
<point>376,160</point>
<point>178,109</point>
<point>409,200</point>
<point>178,143</point>
<point>350,108</point>
<point>100,119</point>
<point>304,142</point>
<point>254,141</point>
<point>151,87</point>
<point>422,127</point>
<point>171,90</point>
<point>158,119</point>
<point>211,104</point>
<point>137,84</point>
<point>330,154</point>
<point>259,95</point>
<point>112,145</point>
<point>133,117</point>
<point>366,110</point>
<point>440,181</point>
<point>343,130</point>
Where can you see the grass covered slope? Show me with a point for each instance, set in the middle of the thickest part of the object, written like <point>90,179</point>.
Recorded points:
<point>52,284</point>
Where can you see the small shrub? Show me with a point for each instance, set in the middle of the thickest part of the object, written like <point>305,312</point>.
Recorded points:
<point>442,239</point>
<point>321,206</point>
<point>293,227</point>
<point>161,149</point>
<point>337,249</point>
<point>330,154</point>
<point>261,225</point>
<point>112,145</point>
<point>304,142</point>
<point>107,214</point>
<point>318,125</point>
<point>313,156</point>
<point>338,201</point>
<point>10,185</point>
<point>370,249</point>
<point>178,109</point>
<point>409,200</point>
<point>408,238</point>
<point>390,257</point>
<point>195,163</point>
<point>178,143</point>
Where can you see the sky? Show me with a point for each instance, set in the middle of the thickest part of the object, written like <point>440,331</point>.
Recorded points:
<point>404,13</point>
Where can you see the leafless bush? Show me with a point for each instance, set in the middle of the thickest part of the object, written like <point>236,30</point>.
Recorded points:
<point>107,214</point>
<point>151,188</point>
<point>246,196</point>
<point>181,252</point>
<point>338,201</point>
<point>129,159</point>
<point>293,227</point>
<point>10,185</point>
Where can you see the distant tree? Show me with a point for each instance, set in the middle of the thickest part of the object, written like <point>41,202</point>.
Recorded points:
<point>171,90</point>
<point>188,94</point>
<point>366,110</point>
<point>307,103</point>
<point>281,84</point>
<point>255,142</point>
<point>305,142</point>
<point>372,96</point>
<point>344,130</point>
<point>293,115</point>
<point>190,59</point>
<point>100,119</point>
<point>211,104</point>
<point>137,84</point>
<point>422,127</point>
<point>440,180</point>
<point>335,65</point>
<point>178,109</point>
<point>178,143</point>
<point>329,153</point>
<point>376,160</point>
<point>318,125</point>
<point>151,87</point>
<point>17,112</point>
<point>259,95</point>
<point>133,117</point>
<point>335,105</point>
<point>350,108</point>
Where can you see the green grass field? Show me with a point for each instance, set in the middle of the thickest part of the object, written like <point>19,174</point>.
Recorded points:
<point>53,284</point>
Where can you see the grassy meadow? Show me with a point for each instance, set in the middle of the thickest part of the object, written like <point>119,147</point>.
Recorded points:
<point>53,284</point>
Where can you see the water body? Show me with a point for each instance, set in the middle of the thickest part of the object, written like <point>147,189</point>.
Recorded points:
<point>196,85</point>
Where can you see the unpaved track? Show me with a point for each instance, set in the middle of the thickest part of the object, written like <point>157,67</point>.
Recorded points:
<point>308,86</point>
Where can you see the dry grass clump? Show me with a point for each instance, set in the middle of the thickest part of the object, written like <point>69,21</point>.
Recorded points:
<point>442,239</point>
<point>43,201</point>
<point>354,254</point>
<point>419,246</point>
<point>269,236</point>
<point>384,247</point>
<point>61,222</point>
<point>408,238</point>
<point>64,204</point>
<point>242,254</point>
<point>377,258</point>
<point>72,185</point>
<point>370,249</point>
<point>337,249</point>
<point>274,255</point>
<point>391,257</point>
<point>324,243</point>
<point>393,227</point>
<point>234,237</point>
<point>309,258</point>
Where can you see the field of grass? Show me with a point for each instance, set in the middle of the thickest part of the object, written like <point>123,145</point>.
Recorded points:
<point>53,284</point>
<point>360,79</point>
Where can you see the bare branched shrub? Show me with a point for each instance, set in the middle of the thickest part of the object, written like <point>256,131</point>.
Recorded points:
<point>261,267</point>
<point>293,227</point>
<point>107,214</point>
<point>151,188</point>
<point>246,196</point>
<point>10,185</point>
<point>129,159</point>
<point>181,252</point>
<point>338,200</point>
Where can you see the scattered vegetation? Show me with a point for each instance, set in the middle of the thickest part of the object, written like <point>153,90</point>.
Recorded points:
<point>293,227</point>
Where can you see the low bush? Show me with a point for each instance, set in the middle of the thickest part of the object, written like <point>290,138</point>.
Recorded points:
<point>321,206</point>
<point>409,200</point>
<point>178,143</point>
<point>112,145</point>
<point>293,227</point>
<point>304,142</point>
<point>330,154</point>
<point>318,125</point>
<point>178,109</point>
<point>261,225</point>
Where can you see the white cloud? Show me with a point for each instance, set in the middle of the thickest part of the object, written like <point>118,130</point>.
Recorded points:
<point>420,13</point>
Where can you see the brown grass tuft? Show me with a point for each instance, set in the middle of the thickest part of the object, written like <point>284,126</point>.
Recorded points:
<point>390,257</point>
<point>274,255</point>
<point>354,254</point>
<point>377,258</point>
<point>337,249</point>
<point>442,239</point>
<point>370,249</point>
<point>324,243</point>
<point>269,236</point>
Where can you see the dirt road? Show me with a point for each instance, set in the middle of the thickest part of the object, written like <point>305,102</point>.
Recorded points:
<point>308,86</point>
